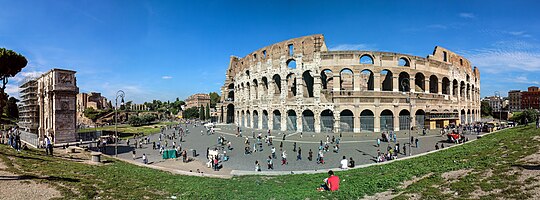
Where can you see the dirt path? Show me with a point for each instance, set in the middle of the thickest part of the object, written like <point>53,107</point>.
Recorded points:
<point>13,186</point>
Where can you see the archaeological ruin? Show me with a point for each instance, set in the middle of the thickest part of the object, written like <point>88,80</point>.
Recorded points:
<point>300,85</point>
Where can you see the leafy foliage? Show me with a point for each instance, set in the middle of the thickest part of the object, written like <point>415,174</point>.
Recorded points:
<point>530,114</point>
<point>485,109</point>
<point>135,120</point>
<point>93,114</point>
<point>214,99</point>
<point>191,113</point>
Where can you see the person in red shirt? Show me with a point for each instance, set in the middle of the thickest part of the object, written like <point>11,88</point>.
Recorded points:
<point>331,183</point>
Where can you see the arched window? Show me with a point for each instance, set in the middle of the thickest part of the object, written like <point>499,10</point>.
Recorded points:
<point>291,64</point>
<point>445,86</point>
<point>404,82</point>
<point>419,82</point>
<point>277,84</point>
<point>367,121</point>
<point>291,85</point>
<point>366,59</point>
<point>346,80</point>
<point>327,79</point>
<point>386,82</point>
<point>387,120</point>
<point>366,78</point>
<point>346,121</point>
<point>403,62</point>
<point>308,82</point>
<point>433,84</point>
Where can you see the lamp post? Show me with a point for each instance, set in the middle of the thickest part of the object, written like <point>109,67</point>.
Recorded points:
<point>498,97</point>
<point>404,84</point>
<point>121,94</point>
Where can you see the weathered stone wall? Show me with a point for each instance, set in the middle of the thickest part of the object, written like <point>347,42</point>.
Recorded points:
<point>355,90</point>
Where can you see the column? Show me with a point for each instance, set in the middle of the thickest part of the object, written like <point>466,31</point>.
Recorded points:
<point>317,85</point>
<point>439,85</point>
<point>284,89</point>
<point>376,81</point>
<point>317,123</point>
<point>270,120</point>
<point>412,84</point>
<point>396,121</point>
<point>300,85</point>
<point>336,81</point>
<point>426,85</point>
<point>395,83</point>
<point>284,121</point>
<point>356,122</point>
<point>299,121</point>
<point>336,122</point>
<point>356,81</point>
<point>377,122</point>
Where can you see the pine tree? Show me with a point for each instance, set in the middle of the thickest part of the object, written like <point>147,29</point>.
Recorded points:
<point>201,113</point>
<point>207,111</point>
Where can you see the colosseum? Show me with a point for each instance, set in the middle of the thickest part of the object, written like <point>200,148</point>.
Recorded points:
<point>299,85</point>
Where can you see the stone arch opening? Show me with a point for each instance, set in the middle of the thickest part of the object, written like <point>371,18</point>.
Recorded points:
<point>387,82</point>
<point>420,116</point>
<point>327,121</point>
<point>433,84</point>
<point>308,121</point>
<point>255,119</point>
<point>243,122</point>
<point>366,76</point>
<point>256,88</point>
<point>291,85</point>
<point>387,120</point>
<point>445,86</point>
<point>230,113</point>
<point>455,88</point>
<point>308,83</point>
<point>404,122</point>
<point>404,81</point>
<point>403,62</point>
<point>327,79</point>
<point>248,119</point>
<point>264,119</point>
<point>346,121</point>
<point>277,120</point>
<point>462,116</point>
<point>277,84</point>
<point>419,82</point>
<point>462,89</point>
<point>346,78</point>
<point>291,64</point>
<point>291,120</point>
<point>366,59</point>
<point>367,120</point>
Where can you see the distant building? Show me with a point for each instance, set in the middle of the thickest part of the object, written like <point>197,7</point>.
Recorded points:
<point>198,100</point>
<point>495,102</point>
<point>514,97</point>
<point>530,98</point>
<point>49,106</point>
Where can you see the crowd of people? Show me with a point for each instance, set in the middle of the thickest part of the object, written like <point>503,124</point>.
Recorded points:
<point>12,137</point>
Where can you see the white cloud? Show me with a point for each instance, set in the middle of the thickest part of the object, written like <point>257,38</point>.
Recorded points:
<point>23,75</point>
<point>345,47</point>
<point>12,90</point>
<point>166,77</point>
<point>467,15</point>
<point>519,33</point>
<point>522,79</point>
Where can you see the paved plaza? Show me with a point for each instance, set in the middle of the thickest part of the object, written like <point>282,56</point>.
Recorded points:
<point>360,146</point>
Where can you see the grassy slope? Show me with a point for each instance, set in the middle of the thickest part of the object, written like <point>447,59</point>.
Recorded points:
<point>119,180</point>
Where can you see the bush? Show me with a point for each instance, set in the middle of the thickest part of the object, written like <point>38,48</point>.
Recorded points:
<point>135,120</point>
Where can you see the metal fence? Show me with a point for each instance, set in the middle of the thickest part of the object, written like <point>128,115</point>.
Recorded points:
<point>248,120</point>
<point>29,138</point>
<point>265,121</point>
<point>387,123</point>
<point>291,123</point>
<point>462,119</point>
<point>404,122</point>
<point>469,119</point>
<point>255,121</point>
<point>346,123</point>
<point>420,121</point>
<point>243,121</point>
<point>308,124</point>
<point>367,123</point>
<point>277,123</point>
<point>327,124</point>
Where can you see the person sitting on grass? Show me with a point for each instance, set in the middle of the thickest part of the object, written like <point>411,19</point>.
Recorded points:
<point>331,183</point>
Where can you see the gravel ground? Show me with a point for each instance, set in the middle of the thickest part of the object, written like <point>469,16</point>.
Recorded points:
<point>13,187</point>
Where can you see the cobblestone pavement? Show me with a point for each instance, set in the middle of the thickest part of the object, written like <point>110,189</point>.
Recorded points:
<point>360,146</point>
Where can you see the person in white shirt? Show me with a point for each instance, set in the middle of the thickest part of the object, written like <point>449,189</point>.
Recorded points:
<point>344,163</point>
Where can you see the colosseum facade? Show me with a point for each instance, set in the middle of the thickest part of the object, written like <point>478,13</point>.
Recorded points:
<point>299,85</point>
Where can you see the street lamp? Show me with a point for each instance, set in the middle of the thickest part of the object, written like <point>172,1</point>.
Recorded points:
<point>404,84</point>
<point>121,94</point>
<point>498,96</point>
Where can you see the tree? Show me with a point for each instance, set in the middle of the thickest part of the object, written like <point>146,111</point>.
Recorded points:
<point>214,99</point>
<point>207,111</point>
<point>485,109</point>
<point>191,113</point>
<point>529,114</point>
<point>11,63</point>
<point>201,113</point>
<point>11,109</point>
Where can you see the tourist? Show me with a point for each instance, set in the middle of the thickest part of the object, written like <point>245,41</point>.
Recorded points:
<point>216,163</point>
<point>327,139</point>
<point>397,147</point>
<point>331,183</point>
<point>412,139</point>
<point>395,137</point>
<point>299,154</point>
<point>257,166</point>
<point>321,157</point>
<point>284,158</point>
<point>294,147</point>
<point>247,150</point>
<point>273,150</point>
<point>48,145</point>
<point>134,154</point>
<point>145,161</point>
<point>336,148</point>
<point>351,163</point>
<point>281,146</point>
<point>416,142</point>
<point>442,145</point>
<point>310,155</point>
<point>270,162</point>
<point>437,146</point>
<point>333,139</point>
<point>424,131</point>
<point>378,142</point>
<point>404,150</point>
<point>344,163</point>
<point>284,134</point>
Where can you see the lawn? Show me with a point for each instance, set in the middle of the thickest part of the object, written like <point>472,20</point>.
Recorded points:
<point>496,153</point>
<point>127,131</point>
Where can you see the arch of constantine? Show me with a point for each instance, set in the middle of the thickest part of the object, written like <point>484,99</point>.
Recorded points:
<point>299,85</point>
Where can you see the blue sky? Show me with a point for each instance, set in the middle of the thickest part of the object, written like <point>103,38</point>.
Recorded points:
<point>168,49</point>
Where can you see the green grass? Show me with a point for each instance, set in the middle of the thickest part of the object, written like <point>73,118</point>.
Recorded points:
<point>120,180</point>
<point>127,131</point>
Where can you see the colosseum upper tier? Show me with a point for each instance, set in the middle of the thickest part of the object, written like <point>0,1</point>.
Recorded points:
<point>299,85</point>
